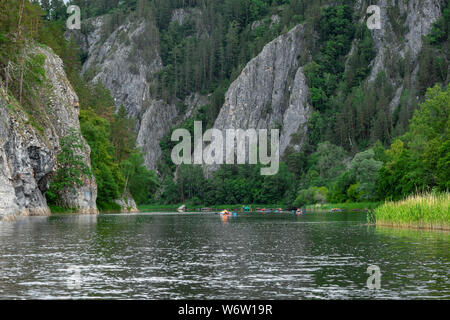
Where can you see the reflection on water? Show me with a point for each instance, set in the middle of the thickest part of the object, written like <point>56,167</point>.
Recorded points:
<point>196,256</point>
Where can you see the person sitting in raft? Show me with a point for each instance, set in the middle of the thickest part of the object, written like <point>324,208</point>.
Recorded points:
<point>299,211</point>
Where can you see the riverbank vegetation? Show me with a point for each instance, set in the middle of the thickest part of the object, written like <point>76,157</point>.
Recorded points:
<point>427,211</point>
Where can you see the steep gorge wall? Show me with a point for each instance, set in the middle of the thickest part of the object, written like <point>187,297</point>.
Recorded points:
<point>404,23</point>
<point>120,61</point>
<point>126,67</point>
<point>157,121</point>
<point>29,147</point>
<point>270,92</point>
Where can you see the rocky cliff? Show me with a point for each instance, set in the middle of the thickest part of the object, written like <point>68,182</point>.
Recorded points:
<point>271,92</point>
<point>126,61</point>
<point>29,145</point>
<point>403,26</point>
<point>157,121</point>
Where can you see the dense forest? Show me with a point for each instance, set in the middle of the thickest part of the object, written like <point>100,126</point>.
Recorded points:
<point>348,152</point>
<point>357,148</point>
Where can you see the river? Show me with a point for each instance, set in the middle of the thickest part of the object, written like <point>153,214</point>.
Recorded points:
<point>201,256</point>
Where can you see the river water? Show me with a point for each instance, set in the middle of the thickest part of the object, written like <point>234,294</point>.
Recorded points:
<point>201,256</point>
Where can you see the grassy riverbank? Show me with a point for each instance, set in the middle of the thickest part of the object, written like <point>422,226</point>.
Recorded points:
<point>351,206</point>
<point>431,211</point>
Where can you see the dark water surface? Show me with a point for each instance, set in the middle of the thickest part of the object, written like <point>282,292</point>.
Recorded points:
<point>199,256</point>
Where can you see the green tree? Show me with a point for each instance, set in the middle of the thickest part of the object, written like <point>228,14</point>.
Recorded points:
<point>418,160</point>
<point>72,169</point>
<point>311,195</point>
<point>110,180</point>
<point>364,169</point>
<point>141,182</point>
<point>122,134</point>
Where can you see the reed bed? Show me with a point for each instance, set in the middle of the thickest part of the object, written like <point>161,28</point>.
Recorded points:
<point>427,211</point>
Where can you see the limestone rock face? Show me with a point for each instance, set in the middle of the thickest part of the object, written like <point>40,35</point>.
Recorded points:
<point>157,121</point>
<point>124,61</point>
<point>271,92</point>
<point>416,20</point>
<point>28,148</point>
<point>26,163</point>
<point>404,23</point>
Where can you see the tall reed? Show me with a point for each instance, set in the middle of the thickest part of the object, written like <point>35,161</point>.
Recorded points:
<point>430,211</point>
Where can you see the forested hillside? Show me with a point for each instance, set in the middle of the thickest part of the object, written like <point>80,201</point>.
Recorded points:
<point>376,110</point>
<point>116,163</point>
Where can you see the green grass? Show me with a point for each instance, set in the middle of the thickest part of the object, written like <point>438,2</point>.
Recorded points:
<point>356,206</point>
<point>429,211</point>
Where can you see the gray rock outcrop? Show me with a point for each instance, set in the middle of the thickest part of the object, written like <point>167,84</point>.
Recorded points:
<point>124,61</point>
<point>404,23</point>
<point>271,92</point>
<point>157,121</point>
<point>29,147</point>
<point>127,204</point>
